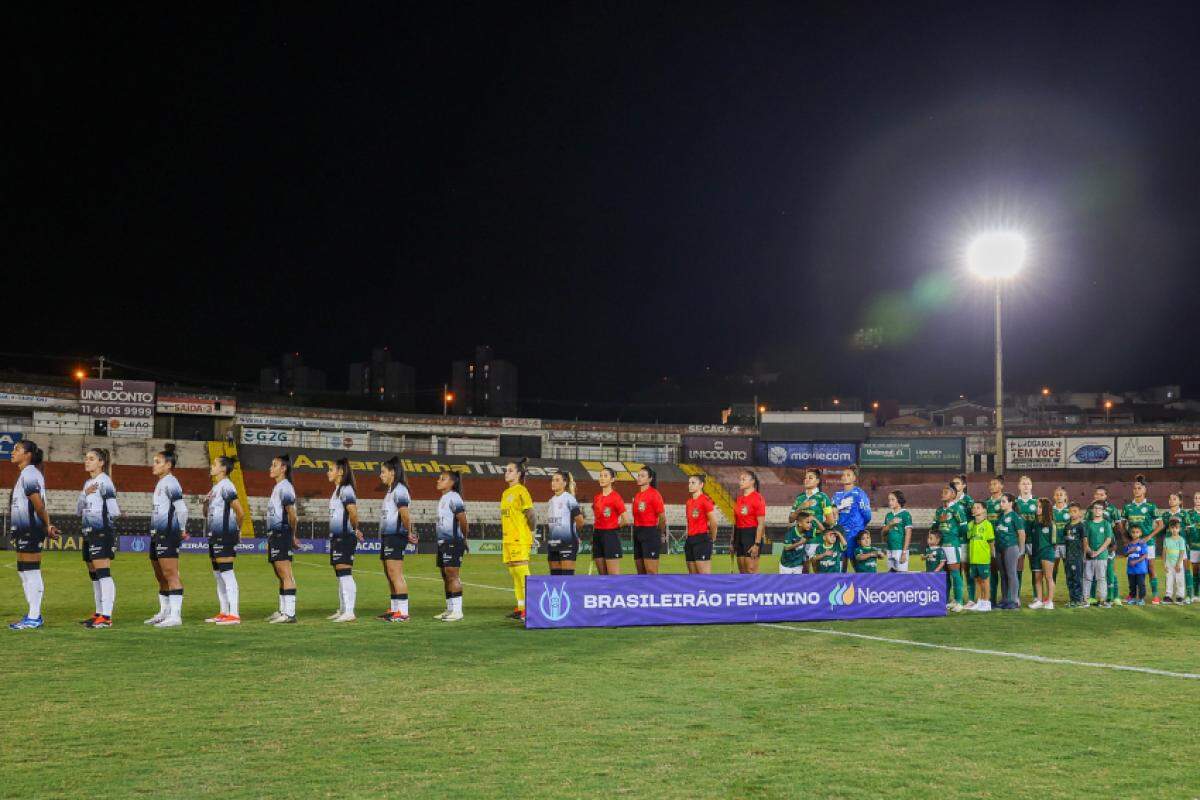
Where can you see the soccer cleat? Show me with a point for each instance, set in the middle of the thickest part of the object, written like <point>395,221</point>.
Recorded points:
<point>971,605</point>
<point>170,622</point>
<point>285,620</point>
<point>157,618</point>
<point>1107,604</point>
<point>1036,604</point>
<point>385,616</point>
<point>274,617</point>
<point>217,618</point>
<point>335,615</point>
<point>26,624</point>
<point>229,619</point>
<point>452,616</point>
<point>87,623</point>
<point>441,615</point>
<point>397,617</point>
<point>345,617</point>
<point>1156,601</point>
<point>1048,606</point>
<point>956,607</point>
<point>100,621</point>
<point>1168,599</point>
<point>516,613</point>
<point>1116,602</point>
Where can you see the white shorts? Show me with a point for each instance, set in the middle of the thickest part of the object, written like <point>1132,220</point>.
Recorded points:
<point>894,561</point>
<point>1151,551</point>
<point>951,554</point>
<point>1060,551</point>
<point>790,570</point>
<point>810,551</point>
<point>1194,556</point>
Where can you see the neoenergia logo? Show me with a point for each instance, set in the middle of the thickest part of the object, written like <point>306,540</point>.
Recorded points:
<point>842,595</point>
<point>555,604</point>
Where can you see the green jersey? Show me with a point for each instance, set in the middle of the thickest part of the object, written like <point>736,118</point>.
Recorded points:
<point>951,523</point>
<point>934,558</point>
<point>895,532</point>
<point>992,504</point>
<point>1174,550</point>
<point>872,562</point>
<point>1062,518</point>
<point>1028,509</point>
<point>1144,515</point>
<point>1166,515</point>
<point>979,548</point>
<point>1191,528</point>
<point>829,557</point>
<point>965,502</point>
<point>1042,536</point>
<point>816,504</point>
<point>1097,532</point>
<point>1008,528</point>
<point>793,558</point>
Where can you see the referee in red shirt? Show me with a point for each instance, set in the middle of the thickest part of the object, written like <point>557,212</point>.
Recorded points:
<point>607,509</point>
<point>749,523</point>
<point>649,522</point>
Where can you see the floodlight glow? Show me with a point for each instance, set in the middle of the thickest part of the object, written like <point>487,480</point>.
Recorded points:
<point>996,254</point>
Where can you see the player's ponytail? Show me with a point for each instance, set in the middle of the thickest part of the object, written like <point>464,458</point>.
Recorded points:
<point>521,469</point>
<point>102,454</point>
<point>347,478</point>
<point>227,463</point>
<point>398,476</point>
<point>168,454</point>
<point>455,480</point>
<point>1140,479</point>
<point>653,476</point>
<point>35,453</point>
<point>753,478</point>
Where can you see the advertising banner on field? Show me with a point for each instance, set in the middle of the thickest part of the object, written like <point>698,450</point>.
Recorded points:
<point>250,544</point>
<point>115,398</point>
<point>21,399</point>
<point>1140,452</point>
<point>7,440</point>
<point>806,454</point>
<point>916,453</point>
<point>207,405</point>
<point>581,601</point>
<point>1091,452</point>
<point>268,436</point>
<point>1035,453</point>
<point>1183,450</point>
<point>732,450</point>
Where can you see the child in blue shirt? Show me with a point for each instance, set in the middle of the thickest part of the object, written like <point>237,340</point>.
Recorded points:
<point>1137,564</point>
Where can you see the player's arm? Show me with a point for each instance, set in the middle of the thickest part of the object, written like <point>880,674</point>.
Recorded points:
<point>406,521</point>
<point>712,525</point>
<point>235,506</point>
<point>352,513</point>
<point>464,527</point>
<point>907,544</point>
<point>294,524</point>
<point>39,508</point>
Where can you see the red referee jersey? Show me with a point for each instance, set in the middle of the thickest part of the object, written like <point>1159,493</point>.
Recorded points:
<point>647,507</point>
<point>698,509</point>
<point>747,509</point>
<point>607,509</point>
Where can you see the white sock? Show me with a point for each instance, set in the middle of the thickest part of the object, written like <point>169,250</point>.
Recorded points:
<point>231,591</point>
<point>348,592</point>
<point>394,606</point>
<point>175,606</point>
<point>403,606</point>
<point>164,604</point>
<point>108,595</point>
<point>97,596</point>
<point>31,580</point>
<point>221,596</point>
<point>289,605</point>
<point>456,604</point>
<point>282,603</point>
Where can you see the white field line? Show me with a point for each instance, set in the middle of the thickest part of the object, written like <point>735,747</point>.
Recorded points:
<point>979,651</point>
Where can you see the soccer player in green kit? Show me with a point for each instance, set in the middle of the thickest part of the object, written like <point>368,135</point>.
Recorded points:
<point>992,504</point>
<point>897,531</point>
<point>952,525</point>
<point>816,503</point>
<point>1062,516</point>
<point>1112,515</point>
<point>1191,533</point>
<point>1027,506</point>
<point>1142,512</point>
<point>964,500</point>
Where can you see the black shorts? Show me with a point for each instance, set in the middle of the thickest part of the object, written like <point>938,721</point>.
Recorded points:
<point>222,546</point>
<point>164,545</point>
<point>99,545</point>
<point>698,548</point>
<point>743,540</point>
<point>279,547</point>
<point>450,554</point>
<point>647,541</point>
<point>562,551</point>
<point>392,547</point>
<point>341,550</point>
<point>606,544</point>
<point>28,541</point>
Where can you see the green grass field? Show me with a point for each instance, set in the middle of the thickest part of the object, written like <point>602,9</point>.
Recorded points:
<point>484,708</point>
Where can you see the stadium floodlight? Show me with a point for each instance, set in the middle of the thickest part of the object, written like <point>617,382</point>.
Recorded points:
<point>996,256</point>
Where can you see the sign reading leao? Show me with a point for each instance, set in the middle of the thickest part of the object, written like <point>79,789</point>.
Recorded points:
<point>116,398</point>
<point>718,449</point>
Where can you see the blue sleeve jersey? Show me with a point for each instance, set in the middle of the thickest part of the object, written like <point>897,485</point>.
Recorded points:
<point>854,513</point>
<point>22,517</point>
<point>339,511</point>
<point>561,513</point>
<point>282,496</point>
<point>449,507</point>
<point>170,513</point>
<point>221,521</point>
<point>390,522</point>
<point>98,508</point>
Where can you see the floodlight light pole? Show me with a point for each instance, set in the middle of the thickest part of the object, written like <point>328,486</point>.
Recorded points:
<point>999,387</point>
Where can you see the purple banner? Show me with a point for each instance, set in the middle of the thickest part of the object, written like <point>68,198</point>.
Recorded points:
<point>256,544</point>
<point>580,601</point>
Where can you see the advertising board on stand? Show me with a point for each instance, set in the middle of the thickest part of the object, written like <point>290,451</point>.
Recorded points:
<point>1183,450</point>
<point>917,453</point>
<point>208,405</point>
<point>1140,452</point>
<point>1091,452</point>
<point>125,407</point>
<point>718,449</point>
<point>806,454</point>
<point>1034,453</point>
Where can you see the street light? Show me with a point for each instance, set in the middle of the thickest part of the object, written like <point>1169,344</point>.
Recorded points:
<point>995,256</point>
<point>80,374</point>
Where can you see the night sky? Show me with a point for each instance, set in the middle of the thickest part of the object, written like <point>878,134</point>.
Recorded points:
<point>610,193</point>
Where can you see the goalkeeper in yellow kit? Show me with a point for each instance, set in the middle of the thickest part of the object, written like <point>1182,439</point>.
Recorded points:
<point>517,522</point>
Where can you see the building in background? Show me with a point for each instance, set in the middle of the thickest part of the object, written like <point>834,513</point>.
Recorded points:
<point>384,379</point>
<point>291,377</point>
<point>486,385</point>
